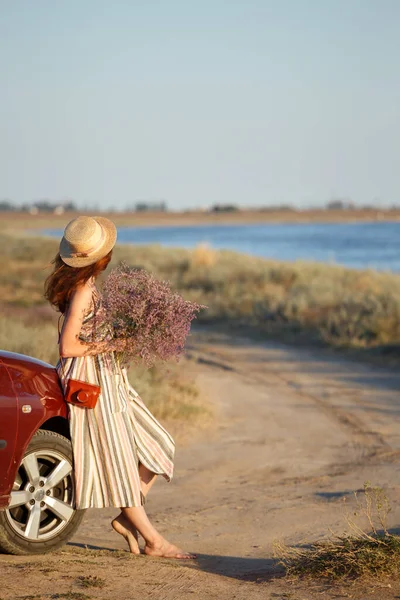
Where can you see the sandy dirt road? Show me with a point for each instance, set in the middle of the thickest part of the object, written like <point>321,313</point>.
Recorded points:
<point>295,432</point>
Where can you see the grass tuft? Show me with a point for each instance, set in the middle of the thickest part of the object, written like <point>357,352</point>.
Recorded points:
<point>363,553</point>
<point>203,256</point>
<point>91,581</point>
<point>344,558</point>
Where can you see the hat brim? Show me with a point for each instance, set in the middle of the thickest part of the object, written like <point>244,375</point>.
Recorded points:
<point>110,237</point>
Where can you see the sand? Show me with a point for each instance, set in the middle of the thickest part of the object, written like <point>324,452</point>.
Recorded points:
<point>296,431</point>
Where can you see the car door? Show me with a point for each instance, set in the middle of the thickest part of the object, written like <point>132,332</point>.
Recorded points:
<point>8,427</point>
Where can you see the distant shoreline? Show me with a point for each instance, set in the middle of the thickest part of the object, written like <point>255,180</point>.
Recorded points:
<point>19,220</point>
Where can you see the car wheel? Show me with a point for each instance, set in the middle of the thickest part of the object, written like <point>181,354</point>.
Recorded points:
<point>41,516</point>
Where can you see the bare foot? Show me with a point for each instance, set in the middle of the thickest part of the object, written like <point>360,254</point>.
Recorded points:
<point>121,526</point>
<point>166,550</point>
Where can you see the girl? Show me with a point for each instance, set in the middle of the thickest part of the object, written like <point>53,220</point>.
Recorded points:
<point>119,447</point>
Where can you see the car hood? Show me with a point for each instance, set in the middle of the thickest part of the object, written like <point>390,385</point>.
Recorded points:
<point>25,363</point>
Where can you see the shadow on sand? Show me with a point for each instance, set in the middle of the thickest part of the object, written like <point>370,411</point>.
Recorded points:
<point>242,568</point>
<point>238,567</point>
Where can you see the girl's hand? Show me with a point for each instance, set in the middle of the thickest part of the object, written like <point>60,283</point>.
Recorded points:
<point>98,348</point>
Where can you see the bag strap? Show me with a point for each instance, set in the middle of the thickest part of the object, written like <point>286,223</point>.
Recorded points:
<point>61,358</point>
<point>83,370</point>
<point>59,337</point>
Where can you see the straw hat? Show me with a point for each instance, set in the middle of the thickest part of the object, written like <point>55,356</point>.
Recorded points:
<point>86,240</point>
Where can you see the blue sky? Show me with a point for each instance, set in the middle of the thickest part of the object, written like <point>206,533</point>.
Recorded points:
<point>254,102</point>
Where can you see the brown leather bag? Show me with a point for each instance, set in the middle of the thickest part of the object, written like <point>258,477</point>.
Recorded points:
<point>81,393</point>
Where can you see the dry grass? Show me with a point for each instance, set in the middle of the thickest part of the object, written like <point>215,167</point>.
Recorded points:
<point>338,306</point>
<point>364,553</point>
<point>344,558</point>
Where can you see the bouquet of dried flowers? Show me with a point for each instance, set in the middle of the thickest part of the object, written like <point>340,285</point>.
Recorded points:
<point>148,320</point>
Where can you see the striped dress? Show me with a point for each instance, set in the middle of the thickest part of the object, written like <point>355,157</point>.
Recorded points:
<point>110,440</point>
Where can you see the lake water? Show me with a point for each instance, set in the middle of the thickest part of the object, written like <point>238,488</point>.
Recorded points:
<point>358,245</point>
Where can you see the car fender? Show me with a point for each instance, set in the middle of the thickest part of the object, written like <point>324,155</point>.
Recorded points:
<point>38,396</point>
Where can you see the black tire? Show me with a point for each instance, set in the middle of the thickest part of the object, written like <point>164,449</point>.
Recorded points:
<point>41,517</point>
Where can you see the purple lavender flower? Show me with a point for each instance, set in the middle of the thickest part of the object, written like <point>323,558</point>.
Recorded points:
<point>149,321</point>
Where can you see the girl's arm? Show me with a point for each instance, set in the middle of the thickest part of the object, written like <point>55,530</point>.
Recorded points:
<point>70,345</point>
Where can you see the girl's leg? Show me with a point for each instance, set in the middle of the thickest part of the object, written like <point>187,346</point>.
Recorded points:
<point>122,526</point>
<point>147,479</point>
<point>156,545</point>
<point>125,527</point>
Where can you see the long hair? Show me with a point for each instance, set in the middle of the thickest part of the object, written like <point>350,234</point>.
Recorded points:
<point>63,281</point>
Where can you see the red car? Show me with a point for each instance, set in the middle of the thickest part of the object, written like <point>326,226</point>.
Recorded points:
<point>37,511</point>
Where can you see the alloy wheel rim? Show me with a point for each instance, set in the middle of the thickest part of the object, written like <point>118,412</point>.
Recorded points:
<point>42,497</point>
